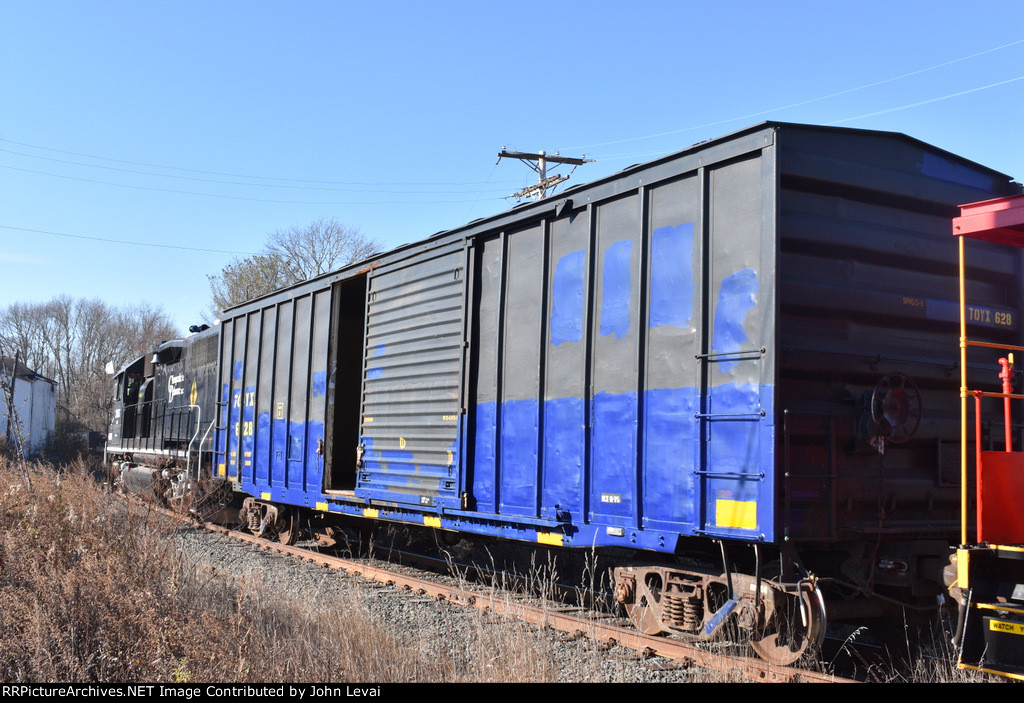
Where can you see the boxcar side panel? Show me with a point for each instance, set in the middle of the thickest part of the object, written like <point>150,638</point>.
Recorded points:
<point>274,391</point>
<point>620,374</point>
<point>737,455</point>
<point>673,344</point>
<point>616,336</point>
<point>520,417</point>
<point>565,378</point>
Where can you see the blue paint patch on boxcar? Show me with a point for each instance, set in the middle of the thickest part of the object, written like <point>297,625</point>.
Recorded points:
<point>520,425</point>
<point>279,428</point>
<point>262,463</point>
<point>567,299</point>
<point>944,169</point>
<point>375,372</point>
<point>238,370</point>
<point>670,495</point>
<point>736,297</point>
<point>613,466</point>
<point>378,350</point>
<point>234,428</point>
<point>617,289</point>
<point>740,448</point>
<point>564,456</point>
<point>248,428</point>
<point>396,455</point>
<point>319,383</point>
<point>484,455</point>
<point>296,437</point>
<point>733,442</point>
<point>313,475</point>
<point>672,275</point>
<point>377,459</point>
<point>669,485</point>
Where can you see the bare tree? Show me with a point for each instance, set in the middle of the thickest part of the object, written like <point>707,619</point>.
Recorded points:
<point>71,340</point>
<point>23,331</point>
<point>323,246</point>
<point>245,279</point>
<point>290,255</point>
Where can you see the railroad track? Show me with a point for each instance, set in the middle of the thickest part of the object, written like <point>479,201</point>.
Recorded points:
<point>577,621</point>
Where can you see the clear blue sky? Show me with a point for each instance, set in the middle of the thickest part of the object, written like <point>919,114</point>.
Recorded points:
<point>210,124</point>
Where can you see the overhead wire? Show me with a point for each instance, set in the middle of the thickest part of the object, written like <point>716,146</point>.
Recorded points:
<point>803,102</point>
<point>327,185</point>
<point>656,152</point>
<point>239,183</point>
<point>125,241</point>
<point>230,175</point>
<point>929,101</point>
<point>236,197</point>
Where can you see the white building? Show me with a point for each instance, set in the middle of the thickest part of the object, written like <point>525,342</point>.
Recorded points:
<point>34,403</point>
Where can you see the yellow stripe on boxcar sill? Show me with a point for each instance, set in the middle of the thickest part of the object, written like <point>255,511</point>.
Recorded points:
<point>431,521</point>
<point>736,513</point>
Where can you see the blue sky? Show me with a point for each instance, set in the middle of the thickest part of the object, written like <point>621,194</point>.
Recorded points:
<point>208,125</point>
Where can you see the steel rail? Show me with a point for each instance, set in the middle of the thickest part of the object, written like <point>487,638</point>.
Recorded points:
<point>557,618</point>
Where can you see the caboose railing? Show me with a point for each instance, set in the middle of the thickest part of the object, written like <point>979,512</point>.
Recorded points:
<point>996,477</point>
<point>990,626</point>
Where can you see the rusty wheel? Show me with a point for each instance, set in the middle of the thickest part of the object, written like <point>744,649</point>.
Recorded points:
<point>643,603</point>
<point>794,625</point>
<point>288,527</point>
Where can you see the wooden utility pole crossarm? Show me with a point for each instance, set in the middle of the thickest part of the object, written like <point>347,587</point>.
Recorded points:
<point>542,160</point>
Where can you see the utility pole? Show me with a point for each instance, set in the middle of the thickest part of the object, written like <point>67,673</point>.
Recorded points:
<point>541,167</point>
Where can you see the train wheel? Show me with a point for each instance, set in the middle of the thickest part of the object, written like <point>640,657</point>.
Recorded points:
<point>793,627</point>
<point>641,597</point>
<point>288,532</point>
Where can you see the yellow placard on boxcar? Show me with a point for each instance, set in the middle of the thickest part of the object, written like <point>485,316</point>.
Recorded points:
<point>552,538</point>
<point>736,513</point>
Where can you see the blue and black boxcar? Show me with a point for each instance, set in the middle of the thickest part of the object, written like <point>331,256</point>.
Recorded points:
<point>739,351</point>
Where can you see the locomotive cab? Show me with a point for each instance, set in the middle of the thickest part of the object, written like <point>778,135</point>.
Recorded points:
<point>160,435</point>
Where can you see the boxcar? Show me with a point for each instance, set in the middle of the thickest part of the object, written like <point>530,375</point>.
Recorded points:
<point>743,343</point>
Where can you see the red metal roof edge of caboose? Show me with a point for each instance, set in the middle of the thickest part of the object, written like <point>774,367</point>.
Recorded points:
<point>999,220</point>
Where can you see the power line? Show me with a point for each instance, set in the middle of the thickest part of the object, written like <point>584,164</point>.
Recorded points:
<point>926,102</point>
<point>801,103</point>
<point>239,197</point>
<point>659,152</point>
<point>219,173</point>
<point>236,183</point>
<point>123,241</point>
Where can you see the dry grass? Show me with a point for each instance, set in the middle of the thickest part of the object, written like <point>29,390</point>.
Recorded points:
<point>93,590</point>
